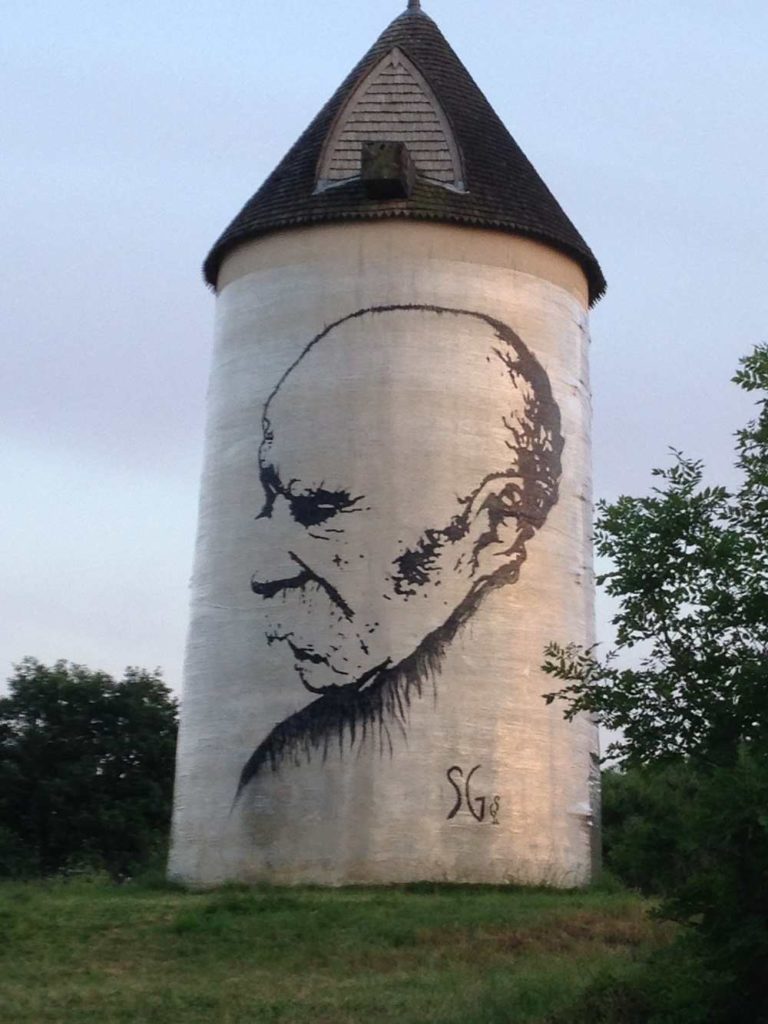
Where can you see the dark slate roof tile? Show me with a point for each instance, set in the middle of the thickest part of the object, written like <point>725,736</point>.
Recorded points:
<point>504,191</point>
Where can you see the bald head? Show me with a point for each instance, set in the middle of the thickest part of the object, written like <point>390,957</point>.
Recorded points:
<point>392,505</point>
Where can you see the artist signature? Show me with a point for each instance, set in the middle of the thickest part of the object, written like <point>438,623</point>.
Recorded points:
<point>481,808</point>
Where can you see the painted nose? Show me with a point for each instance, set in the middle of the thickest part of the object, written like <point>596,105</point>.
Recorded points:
<point>273,587</point>
<point>276,536</point>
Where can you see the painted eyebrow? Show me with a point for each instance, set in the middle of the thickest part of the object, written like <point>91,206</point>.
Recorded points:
<point>270,478</point>
<point>270,481</point>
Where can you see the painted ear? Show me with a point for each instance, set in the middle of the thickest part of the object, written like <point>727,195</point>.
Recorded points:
<point>499,528</point>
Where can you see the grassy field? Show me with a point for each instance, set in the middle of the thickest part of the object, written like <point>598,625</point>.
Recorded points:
<point>76,952</point>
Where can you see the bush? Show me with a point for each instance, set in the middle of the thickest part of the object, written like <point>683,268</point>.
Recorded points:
<point>86,769</point>
<point>646,825</point>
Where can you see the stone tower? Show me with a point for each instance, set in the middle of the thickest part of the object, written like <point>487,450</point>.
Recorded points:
<point>395,505</point>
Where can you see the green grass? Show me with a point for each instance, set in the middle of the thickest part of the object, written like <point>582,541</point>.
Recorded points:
<point>77,952</point>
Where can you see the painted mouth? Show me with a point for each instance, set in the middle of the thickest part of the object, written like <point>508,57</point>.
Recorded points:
<point>308,656</point>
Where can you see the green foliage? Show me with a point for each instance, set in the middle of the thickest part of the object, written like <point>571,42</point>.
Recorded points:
<point>699,838</point>
<point>687,685</point>
<point>646,825</point>
<point>86,766</point>
<point>670,987</point>
<point>690,570</point>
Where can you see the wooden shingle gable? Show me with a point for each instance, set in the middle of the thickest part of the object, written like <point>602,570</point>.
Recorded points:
<point>393,103</point>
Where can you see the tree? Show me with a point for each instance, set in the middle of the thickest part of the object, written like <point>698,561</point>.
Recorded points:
<point>86,767</point>
<point>687,685</point>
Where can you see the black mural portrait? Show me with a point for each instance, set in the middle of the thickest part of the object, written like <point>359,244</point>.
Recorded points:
<point>369,562</point>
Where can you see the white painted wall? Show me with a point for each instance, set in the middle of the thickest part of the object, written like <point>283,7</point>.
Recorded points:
<point>405,408</point>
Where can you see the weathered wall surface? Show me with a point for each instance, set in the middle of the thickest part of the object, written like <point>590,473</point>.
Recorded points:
<point>390,532</point>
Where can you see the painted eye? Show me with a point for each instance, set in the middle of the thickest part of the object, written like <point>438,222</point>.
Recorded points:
<point>317,507</point>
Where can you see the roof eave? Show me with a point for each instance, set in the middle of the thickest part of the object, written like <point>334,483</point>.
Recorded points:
<point>595,280</point>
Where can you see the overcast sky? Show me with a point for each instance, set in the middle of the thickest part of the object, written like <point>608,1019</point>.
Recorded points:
<point>130,135</point>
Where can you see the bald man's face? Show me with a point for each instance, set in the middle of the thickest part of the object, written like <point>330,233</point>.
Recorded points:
<point>373,495</point>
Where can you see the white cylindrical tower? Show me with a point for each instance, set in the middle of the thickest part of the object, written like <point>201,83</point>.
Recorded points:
<point>395,505</point>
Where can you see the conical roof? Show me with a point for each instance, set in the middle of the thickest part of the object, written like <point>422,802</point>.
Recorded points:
<point>412,87</point>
